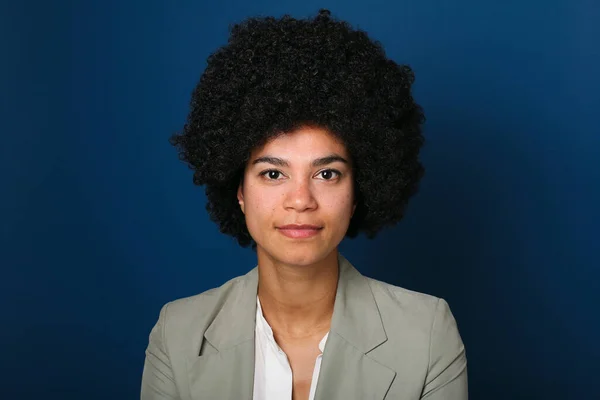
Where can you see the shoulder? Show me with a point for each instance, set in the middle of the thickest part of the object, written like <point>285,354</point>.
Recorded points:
<point>196,312</point>
<point>420,329</point>
<point>422,342</point>
<point>409,302</point>
<point>410,314</point>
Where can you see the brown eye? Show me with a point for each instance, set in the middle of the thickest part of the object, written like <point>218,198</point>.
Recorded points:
<point>271,174</point>
<point>329,174</point>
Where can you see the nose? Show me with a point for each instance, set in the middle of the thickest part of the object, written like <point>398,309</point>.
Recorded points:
<point>300,196</point>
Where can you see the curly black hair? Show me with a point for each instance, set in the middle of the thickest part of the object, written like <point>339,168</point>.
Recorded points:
<point>276,75</point>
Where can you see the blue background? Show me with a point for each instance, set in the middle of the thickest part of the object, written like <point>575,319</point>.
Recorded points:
<point>101,223</point>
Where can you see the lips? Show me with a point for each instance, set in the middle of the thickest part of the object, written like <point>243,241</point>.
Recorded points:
<point>299,231</point>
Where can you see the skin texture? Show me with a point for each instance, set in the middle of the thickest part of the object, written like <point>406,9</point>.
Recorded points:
<point>272,196</point>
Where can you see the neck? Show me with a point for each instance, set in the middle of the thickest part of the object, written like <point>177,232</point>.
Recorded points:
<point>298,300</point>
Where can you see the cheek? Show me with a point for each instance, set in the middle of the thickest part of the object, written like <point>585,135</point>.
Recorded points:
<point>260,203</point>
<point>338,204</point>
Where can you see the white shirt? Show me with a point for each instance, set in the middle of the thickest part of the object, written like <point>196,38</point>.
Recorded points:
<point>272,370</point>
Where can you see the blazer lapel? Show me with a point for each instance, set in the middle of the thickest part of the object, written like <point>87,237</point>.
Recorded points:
<point>347,371</point>
<point>225,370</point>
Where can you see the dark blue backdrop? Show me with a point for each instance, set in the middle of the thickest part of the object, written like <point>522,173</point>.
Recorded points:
<point>101,224</point>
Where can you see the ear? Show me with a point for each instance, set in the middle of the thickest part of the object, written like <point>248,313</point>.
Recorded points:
<point>240,196</point>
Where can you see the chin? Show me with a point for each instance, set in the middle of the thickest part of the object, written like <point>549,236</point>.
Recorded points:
<point>299,256</point>
<point>300,259</point>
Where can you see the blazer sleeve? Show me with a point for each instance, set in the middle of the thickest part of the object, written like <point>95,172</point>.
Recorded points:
<point>157,378</point>
<point>447,372</point>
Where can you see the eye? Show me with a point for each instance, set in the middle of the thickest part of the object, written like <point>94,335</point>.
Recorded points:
<point>329,174</point>
<point>271,174</point>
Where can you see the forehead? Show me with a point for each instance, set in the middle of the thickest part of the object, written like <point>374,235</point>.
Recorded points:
<point>304,142</point>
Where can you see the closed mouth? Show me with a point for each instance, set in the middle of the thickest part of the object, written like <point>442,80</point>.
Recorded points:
<point>299,231</point>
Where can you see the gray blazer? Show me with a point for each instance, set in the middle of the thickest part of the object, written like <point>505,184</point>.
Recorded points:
<point>385,342</point>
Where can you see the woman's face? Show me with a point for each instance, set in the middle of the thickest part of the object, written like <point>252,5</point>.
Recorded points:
<point>297,196</point>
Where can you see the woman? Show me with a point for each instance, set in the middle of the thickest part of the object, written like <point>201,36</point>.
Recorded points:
<point>304,133</point>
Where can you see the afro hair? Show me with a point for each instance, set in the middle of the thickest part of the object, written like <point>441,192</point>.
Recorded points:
<point>276,75</point>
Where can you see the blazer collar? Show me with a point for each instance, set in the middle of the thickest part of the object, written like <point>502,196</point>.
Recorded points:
<point>236,320</point>
<point>355,318</point>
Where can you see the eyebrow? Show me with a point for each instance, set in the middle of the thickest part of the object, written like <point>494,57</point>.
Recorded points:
<point>317,162</point>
